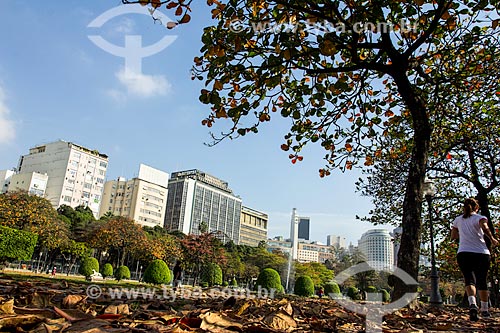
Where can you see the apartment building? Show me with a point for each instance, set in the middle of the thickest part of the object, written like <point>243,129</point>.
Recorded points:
<point>142,198</point>
<point>33,182</point>
<point>75,173</point>
<point>253,226</point>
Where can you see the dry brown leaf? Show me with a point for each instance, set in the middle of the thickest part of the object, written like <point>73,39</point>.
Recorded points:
<point>19,321</point>
<point>287,308</point>
<point>441,326</point>
<point>51,325</point>
<point>243,308</point>
<point>41,300</point>
<point>281,321</point>
<point>7,307</point>
<point>71,300</point>
<point>118,309</point>
<point>211,321</point>
<point>93,326</point>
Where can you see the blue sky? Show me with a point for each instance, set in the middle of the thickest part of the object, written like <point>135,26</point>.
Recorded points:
<point>56,84</point>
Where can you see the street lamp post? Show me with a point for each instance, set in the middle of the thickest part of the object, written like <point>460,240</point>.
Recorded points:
<point>39,259</point>
<point>435,299</point>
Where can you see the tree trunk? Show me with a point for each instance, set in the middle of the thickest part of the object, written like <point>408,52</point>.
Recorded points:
<point>408,255</point>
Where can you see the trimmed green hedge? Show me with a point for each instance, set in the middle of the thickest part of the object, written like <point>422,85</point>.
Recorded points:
<point>304,286</point>
<point>353,293</point>
<point>386,297</point>
<point>157,272</point>
<point>332,289</point>
<point>269,279</point>
<point>107,270</point>
<point>212,274</point>
<point>122,272</point>
<point>88,265</point>
<point>16,244</point>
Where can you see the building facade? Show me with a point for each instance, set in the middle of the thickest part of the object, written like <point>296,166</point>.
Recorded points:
<point>253,226</point>
<point>377,246</point>
<point>141,199</point>
<point>314,252</point>
<point>5,176</point>
<point>306,251</point>
<point>304,226</point>
<point>195,197</point>
<point>75,174</point>
<point>338,242</point>
<point>34,183</point>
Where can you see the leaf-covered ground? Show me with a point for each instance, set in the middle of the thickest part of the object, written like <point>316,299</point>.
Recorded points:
<point>59,306</point>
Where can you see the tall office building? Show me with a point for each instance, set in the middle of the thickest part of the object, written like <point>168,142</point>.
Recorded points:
<point>304,225</point>
<point>253,226</point>
<point>141,199</point>
<point>195,197</point>
<point>336,241</point>
<point>377,246</point>
<point>76,174</point>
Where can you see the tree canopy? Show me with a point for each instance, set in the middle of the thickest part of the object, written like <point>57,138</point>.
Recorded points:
<point>343,72</point>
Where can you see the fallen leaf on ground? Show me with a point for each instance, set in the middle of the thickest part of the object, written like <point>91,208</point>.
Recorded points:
<point>7,307</point>
<point>281,321</point>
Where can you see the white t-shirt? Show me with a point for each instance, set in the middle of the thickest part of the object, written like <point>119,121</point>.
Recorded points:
<point>470,234</point>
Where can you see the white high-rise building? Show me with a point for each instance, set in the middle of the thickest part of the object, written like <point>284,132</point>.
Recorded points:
<point>75,174</point>
<point>377,246</point>
<point>142,198</point>
<point>196,198</point>
<point>338,242</point>
<point>5,176</point>
<point>34,183</point>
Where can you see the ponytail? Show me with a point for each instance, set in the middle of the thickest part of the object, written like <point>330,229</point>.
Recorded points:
<point>470,206</point>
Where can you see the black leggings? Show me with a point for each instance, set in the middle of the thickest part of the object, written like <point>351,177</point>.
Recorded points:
<point>474,267</point>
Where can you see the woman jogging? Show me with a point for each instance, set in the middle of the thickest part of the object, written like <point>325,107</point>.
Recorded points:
<point>473,255</point>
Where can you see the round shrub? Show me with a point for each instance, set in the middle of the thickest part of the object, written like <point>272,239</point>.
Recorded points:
<point>332,289</point>
<point>122,272</point>
<point>157,272</point>
<point>269,279</point>
<point>304,286</point>
<point>212,274</point>
<point>234,283</point>
<point>88,265</point>
<point>225,284</point>
<point>353,293</point>
<point>386,297</point>
<point>107,270</point>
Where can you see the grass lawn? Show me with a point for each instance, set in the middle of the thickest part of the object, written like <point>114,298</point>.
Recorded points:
<point>30,276</point>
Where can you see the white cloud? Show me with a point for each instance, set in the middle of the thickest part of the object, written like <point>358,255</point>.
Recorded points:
<point>142,85</point>
<point>7,129</point>
<point>126,25</point>
<point>117,96</point>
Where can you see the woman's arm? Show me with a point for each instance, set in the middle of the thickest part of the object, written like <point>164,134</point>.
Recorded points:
<point>454,233</point>
<point>484,225</point>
